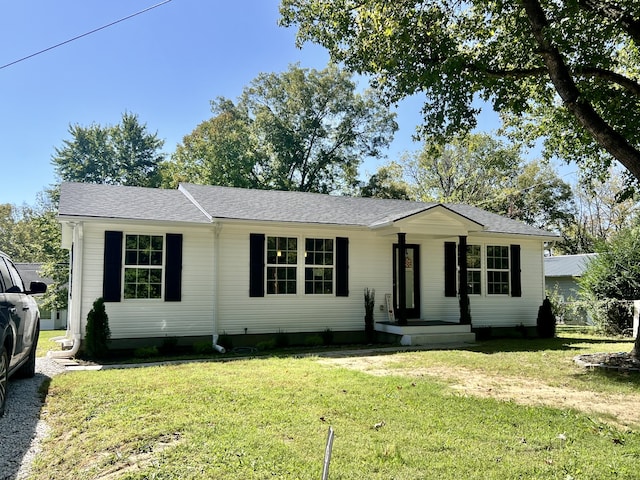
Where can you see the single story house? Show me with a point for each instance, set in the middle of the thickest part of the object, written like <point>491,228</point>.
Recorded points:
<point>562,274</point>
<point>203,261</point>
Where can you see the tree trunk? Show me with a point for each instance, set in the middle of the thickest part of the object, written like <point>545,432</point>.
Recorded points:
<point>635,351</point>
<point>560,75</point>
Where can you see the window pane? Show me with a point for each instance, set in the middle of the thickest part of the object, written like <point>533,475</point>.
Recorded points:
<point>473,256</point>
<point>144,252</point>
<point>155,291</point>
<point>319,254</point>
<point>281,280</point>
<point>144,242</point>
<point>131,257</point>
<point>156,243</point>
<point>473,282</point>
<point>132,242</point>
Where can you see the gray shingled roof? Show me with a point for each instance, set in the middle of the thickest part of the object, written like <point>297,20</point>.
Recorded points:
<point>279,206</point>
<point>127,203</point>
<point>567,265</point>
<point>188,203</point>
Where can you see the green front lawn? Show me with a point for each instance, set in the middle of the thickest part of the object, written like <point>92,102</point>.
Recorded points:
<point>268,418</point>
<point>44,342</point>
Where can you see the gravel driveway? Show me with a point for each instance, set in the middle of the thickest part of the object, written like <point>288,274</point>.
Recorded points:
<point>21,429</point>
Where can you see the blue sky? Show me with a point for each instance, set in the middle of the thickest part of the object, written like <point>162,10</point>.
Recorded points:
<point>164,65</point>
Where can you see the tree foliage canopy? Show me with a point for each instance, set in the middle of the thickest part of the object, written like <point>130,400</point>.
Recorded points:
<point>123,154</point>
<point>302,129</point>
<point>615,272</point>
<point>483,171</point>
<point>568,71</point>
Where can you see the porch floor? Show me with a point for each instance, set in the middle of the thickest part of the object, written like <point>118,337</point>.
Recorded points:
<point>428,332</point>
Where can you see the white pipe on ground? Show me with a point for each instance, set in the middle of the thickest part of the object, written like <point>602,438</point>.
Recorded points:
<point>216,347</point>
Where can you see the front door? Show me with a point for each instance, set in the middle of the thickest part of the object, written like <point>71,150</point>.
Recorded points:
<point>412,275</point>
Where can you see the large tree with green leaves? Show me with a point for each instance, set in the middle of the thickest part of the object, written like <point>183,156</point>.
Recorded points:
<point>472,169</point>
<point>564,70</point>
<point>220,151</point>
<point>122,154</point>
<point>302,129</point>
<point>602,209</point>
<point>387,182</point>
<point>481,170</point>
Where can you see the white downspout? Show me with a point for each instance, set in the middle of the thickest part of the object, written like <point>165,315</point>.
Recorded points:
<point>217,228</point>
<point>75,294</point>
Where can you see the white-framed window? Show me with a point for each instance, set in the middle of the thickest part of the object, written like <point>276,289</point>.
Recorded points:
<point>287,262</point>
<point>282,265</point>
<point>319,266</point>
<point>143,266</point>
<point>474,269</point>
<point>497,270</point>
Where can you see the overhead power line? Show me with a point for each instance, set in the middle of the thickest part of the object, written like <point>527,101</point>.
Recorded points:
<point>85,34</point>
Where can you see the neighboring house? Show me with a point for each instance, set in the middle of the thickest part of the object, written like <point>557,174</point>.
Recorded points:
<point>49,319</point>
<point>561,278</point>
<point>562,273</point>
<point>203,261</point>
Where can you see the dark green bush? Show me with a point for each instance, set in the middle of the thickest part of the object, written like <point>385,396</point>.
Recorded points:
<point>96,339</point>
<point>546,322</point>
<point>327,337</point>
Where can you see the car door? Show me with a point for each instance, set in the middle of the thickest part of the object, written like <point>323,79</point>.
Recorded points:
<point>21,309</point>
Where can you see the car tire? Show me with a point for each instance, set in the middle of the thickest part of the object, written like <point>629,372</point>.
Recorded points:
<point>4,377</point>
<point>28,370</point>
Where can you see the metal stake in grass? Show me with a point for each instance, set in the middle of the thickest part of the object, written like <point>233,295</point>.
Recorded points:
<point>327,455</point>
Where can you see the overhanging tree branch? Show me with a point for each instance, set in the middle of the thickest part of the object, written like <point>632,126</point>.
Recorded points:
<point>611,11</point>
<point>612,141</point>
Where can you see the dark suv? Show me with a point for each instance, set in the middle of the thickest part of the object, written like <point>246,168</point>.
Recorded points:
<point>19,326</point>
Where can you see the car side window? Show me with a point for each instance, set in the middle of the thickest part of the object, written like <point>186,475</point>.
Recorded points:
<point>5,279</point>
<point>11,277</point>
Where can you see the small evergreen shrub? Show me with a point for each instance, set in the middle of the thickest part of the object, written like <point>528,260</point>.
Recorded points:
<point>327,337</point>
<point>369,307</point>
<point>546,322</point>
<point>97,335</point>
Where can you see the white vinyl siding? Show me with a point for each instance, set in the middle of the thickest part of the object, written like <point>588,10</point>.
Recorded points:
<point>141,318</point>
<point>370,266</point>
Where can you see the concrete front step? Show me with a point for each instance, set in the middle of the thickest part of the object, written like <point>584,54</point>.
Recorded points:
<point>437,338</point>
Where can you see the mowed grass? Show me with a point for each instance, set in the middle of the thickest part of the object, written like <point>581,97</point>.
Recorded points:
<point>268,418</point>
<point>44,341</point>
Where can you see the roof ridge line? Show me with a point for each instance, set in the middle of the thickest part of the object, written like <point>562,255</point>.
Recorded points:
<point>182,189</point>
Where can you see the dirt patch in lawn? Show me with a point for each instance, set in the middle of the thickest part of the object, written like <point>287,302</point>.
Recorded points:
<point>620,410</point>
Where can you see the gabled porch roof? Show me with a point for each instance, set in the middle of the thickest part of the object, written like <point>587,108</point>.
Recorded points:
<point>434,220</point>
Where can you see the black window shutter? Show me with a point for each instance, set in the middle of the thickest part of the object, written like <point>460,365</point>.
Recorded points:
<point>256,265</point>
<point>173,268</point>
<point>450,269</point>
<point>342,267</point>
<point>516,280</point>
<point>112,278</point>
